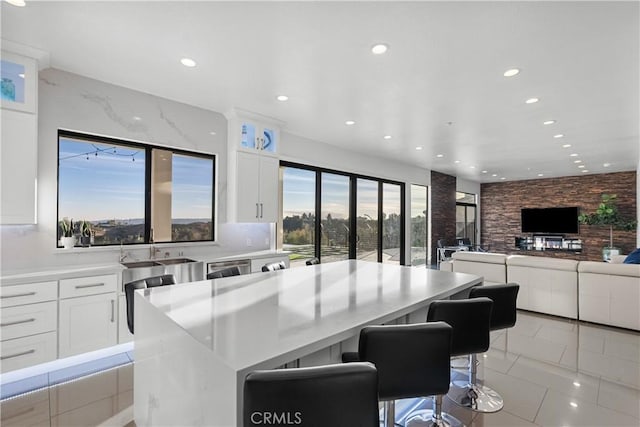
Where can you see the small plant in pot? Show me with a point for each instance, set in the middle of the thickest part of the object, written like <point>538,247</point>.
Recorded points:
<point>67,239</point>
<point>85,233</point>
<point>607,214</point>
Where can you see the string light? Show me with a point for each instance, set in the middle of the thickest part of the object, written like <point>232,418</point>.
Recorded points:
<point>98,150</point>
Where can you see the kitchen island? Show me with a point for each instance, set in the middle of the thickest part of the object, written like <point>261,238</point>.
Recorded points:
<point>196,342</point>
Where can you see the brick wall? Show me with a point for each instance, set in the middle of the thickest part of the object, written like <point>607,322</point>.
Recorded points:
<point>501,204</point>
<point>443,210</point>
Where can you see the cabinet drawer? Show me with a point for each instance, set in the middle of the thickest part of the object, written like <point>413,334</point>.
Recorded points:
<point>82,286</point>
<point>25,320</point>
<point>29,410</point>
<point>28,351</point>
<point>28,293</point>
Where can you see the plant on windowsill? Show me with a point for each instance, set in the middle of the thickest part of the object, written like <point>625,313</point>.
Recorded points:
<point>607,214</point>
<point>67,239</point>
<point>85,233</point>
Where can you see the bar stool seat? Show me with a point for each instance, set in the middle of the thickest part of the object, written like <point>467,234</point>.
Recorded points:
<point>331,395</point>
<point>470,320</point>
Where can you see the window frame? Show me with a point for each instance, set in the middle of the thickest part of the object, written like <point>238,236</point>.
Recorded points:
<point>353,178</point>
<point>148,150</point>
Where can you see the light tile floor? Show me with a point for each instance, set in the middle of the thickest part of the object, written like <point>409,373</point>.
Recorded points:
<point>550,372</point>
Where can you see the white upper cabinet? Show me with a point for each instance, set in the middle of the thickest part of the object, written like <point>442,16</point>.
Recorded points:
<point>253,167</point>
<point>19,139</point>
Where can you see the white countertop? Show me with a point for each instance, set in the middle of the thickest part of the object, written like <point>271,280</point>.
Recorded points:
<point>249,319</point>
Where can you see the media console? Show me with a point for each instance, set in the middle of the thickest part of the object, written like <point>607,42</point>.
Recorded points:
<point>548,242</point>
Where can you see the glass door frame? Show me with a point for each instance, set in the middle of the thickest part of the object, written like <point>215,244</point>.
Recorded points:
<point>353,192</point>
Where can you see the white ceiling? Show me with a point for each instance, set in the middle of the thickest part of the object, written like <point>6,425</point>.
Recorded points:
<point>439,86</point>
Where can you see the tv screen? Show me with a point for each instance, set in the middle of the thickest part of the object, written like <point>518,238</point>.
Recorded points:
<point>550,220</point>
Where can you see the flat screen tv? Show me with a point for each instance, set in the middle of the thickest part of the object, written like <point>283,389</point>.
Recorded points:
<point>550,220</point>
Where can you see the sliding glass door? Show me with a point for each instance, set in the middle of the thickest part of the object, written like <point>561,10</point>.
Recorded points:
<point>334,223</point>
<point>367,220</point>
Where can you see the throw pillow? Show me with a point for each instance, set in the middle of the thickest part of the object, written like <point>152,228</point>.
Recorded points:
<point>633,258</point>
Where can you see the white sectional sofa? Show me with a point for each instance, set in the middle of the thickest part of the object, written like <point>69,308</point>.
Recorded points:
<point>547,285</point>
<point>610,293</point>
<point>599,292</point>
<point>489,265</point>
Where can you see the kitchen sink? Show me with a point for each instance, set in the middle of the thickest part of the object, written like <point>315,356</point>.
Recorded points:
<point>184,269</point>
<point>174,261</point>
<point>138,264</point>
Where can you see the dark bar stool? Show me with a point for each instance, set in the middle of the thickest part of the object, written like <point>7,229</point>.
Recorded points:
<point>470,320</point>
<point>503,314</point>
<point>225,272</point>
<point>412,361</point>
<point>149,282</point>
<point>274,266</point>
<point>312,261</point>
<point>332,395</point>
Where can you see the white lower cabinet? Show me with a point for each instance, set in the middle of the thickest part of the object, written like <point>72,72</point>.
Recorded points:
<point>87,323</point>
<point>28,351</point>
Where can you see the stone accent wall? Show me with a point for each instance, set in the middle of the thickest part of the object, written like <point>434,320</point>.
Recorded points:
<point>443,210</point>
<point>501,204</point>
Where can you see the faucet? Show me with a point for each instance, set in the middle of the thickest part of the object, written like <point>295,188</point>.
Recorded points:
<point>153,251</point>
<point>123,256</point>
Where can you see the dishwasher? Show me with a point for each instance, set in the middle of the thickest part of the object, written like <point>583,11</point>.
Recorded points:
<point>244,265</point>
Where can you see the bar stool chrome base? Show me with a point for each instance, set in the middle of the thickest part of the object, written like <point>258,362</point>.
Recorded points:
<point>432,417</point>
<point>476,397</point>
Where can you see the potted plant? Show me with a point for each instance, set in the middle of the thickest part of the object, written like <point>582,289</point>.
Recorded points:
<point>607,214</point>
<point>67,239</point>
<point>85,233</point>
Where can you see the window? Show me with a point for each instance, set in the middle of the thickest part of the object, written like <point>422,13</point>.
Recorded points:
<point>321,208</point>
<point>419,229</point>
<point>121,192</point>
<point>466,216</point>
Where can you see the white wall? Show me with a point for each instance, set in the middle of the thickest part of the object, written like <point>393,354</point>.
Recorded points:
<point>638,204</point>
<point>81,104</point>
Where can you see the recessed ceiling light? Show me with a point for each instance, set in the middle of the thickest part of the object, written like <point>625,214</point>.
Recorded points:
<point>439,155</point>
<point>558,136</point>
<point>511,72</point>
<point>606,165</point>
<point>574,404</point>
<point>576,383</point>
<point>136,118</point>
<point>188,62</point>
<point>349,123</point>
<point>494,174</point>
<point>21,75</point>
<point>387,137</point>
<point>549,122</point>
<point>566,146</point>
<point>540,174</point>
<point>472,167</point>
<point>419,148</point>
<point>573,155</point>
<point>584,171</point>
<point>532,100</point>
<point>379,48</point>
<point>484,171</point>
<point>577,161</point>
<point>19,3</point>
<point>503,177</point>
<point>282,97</point>
<point>456,161</point>
<point>581,166</point>
<point>212,133</point>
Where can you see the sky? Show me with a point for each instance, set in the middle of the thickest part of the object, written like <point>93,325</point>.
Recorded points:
<point>110,185</point>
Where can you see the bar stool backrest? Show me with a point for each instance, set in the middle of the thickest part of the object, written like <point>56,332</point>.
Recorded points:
<point>274,266</point>
<point>226,272</point>
<point>149,282</point>
<point>330,395</point>
<point>503,314</point>
<point>470,320</point>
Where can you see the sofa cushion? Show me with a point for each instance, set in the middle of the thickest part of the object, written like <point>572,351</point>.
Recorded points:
<point>632,270</point>
<point>633,258</point>
<point>486,257</point>
<point>543,262</point>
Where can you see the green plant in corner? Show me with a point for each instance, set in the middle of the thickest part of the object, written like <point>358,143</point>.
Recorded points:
<point>607,214</point>
<point>85,228</point>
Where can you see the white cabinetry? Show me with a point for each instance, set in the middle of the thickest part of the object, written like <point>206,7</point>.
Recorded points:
<point>19,142</point>
<point>253,168</point>
<point>88,314</point>
<point>28,323</point>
